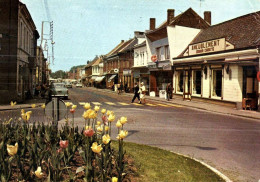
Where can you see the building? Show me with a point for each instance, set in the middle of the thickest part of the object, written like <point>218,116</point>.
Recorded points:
<point>168,41</point>
<point>87,80</point>
<point>97,73</point>
<point>18,43</point>
<point>222,63</point>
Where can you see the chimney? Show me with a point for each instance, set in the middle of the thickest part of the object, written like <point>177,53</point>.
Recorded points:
<point>122,41</point>
<point>207,16</point>
<point>152,23</point>
<point>170,15</point>
<point>139,34</point>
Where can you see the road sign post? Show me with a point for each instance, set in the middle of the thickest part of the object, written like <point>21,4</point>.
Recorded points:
<point>55,110</point>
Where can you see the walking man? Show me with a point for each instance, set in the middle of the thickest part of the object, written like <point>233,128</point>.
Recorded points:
<point>169,91</point>
<point>136,92</point>
<point>142,92</point>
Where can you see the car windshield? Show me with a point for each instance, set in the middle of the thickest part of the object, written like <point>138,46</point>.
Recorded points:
<point>59,85</point>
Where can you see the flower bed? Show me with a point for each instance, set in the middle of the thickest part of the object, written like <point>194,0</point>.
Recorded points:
<point>39,151</point>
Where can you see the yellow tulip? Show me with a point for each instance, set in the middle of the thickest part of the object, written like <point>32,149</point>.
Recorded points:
<point>96,148</point>
<point>12,150</point>
<point>97,108</point>
<point>87,106</point>
<point>106,128</point>
<point>106,139</point>
<point>74,107</point>
<point>86,113</point>
<point>33,105</point>
<point>114,179</point>
<point>98,123</point>
<point>43,106</point>
<point>88,127</point>
<point>12,104</point>
<point>26,116</point>
<point>111,118</point>
<point>92,115</point>
<point>118,124</point>
<point>99,128</point>
<point>123,120</point>
<point>103,111</point>
<point>22,111</point>
<point>67,104</point>
<point>39,173</point>
<point>122,134</point>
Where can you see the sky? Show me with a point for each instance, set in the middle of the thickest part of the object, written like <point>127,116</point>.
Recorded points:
<point>85,28</point>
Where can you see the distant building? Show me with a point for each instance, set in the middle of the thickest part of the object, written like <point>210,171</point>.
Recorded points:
<point>18,43</point>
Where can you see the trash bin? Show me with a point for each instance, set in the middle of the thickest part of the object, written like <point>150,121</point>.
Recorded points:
<point>162,94</point>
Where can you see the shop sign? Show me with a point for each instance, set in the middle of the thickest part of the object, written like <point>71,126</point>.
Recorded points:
<point>208,46</point>
<point>127,72</point>
<point>167,67</point>
<point>152,65</point>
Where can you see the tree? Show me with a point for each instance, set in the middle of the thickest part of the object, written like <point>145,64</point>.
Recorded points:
<point>59,74</point>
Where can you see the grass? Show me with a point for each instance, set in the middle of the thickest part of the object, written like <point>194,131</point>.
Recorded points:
<point>159,165</point>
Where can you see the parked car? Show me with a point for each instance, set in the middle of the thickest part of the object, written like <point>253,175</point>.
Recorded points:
<point>59,90</point>
<point>79,85</point>
<point>68,85</point>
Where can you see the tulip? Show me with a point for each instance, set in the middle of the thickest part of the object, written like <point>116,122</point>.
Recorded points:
<point>89,133</point>
<point>64,144</point>
<point>39,173</point>
<point>86,114</point>
<point>43,106</point>
<point>59,150</point>
<point>72,111</point>
<point>106,128</point>
<point>99,128</point>
<point>106,139</point>
<point>103,111</point>
<point>96,148</point>
<point>111,118</point>
<point>26,116</point>
<point>98,123</point>
<point>74,107</point>
<point>114,179</point>
<point>22,111</point>
<point>123,120</point>
<point>92,115</point>
<point>87,106</point>
<point>67,104</point>
<point>33,105</point>
<point>12,150</point>
<point>110,112</point>
<point>97,108</point>
<point>122,134</point>
<point>88,127</point>
<point>118,124</point>
<point>12,104</point>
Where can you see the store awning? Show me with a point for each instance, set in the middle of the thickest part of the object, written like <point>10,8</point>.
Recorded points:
<point>93,78</point>
<point>111,78</point>
<point>99,79</point>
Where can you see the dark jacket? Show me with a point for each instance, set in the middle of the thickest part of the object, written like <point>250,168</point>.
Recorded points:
<point>136,89</point>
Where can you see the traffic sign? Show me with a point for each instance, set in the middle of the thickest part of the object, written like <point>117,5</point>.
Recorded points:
<point>154,58</point>
<point>56,109</point>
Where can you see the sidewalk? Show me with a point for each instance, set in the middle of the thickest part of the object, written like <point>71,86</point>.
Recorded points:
<point>216,108</point>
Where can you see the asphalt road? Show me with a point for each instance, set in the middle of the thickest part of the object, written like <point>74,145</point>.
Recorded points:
<point>230,144</point>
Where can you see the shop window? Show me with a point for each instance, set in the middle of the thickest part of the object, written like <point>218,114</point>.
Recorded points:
<point>158,53</point>
<point>216,83</point>
<point>180,81</point>
<point>166,52</point>
<point>197,82</point>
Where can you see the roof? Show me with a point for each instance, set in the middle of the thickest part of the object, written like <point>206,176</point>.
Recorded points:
<point>119,48</point>
<point>92,62</point>
<point>243,31</point>
<point>141,44</point>
<point>189,18</point>
<point>116,48</point>
<point>130,45</point>
<point>97,61</point>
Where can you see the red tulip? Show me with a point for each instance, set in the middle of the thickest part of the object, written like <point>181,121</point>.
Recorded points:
<point>72,111</point>
<point>89,133</point>
<point>64,144</point>
<point>104,119</point>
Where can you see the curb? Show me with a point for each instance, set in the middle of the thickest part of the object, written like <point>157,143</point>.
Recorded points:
<point>21,107</point>
<point>224,177</point>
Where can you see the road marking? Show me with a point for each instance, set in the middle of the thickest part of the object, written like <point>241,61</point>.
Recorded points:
<point>123,103</point>
<point>82,103</point>
<point>174,105</point>
<point>97,103</point>
<point>150,104</point>
<point>164,105</point>
<point>137,104</point>
<point>110,103</point>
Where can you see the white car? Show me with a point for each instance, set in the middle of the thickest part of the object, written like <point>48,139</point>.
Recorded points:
<point>79,85</point>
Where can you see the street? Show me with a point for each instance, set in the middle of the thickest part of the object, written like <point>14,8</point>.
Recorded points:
<point>228,143</point>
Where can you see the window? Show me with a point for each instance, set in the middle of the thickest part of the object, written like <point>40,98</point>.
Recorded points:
<point>196,82</point>
<point>179,81</point>
<point>158,53</point>
<point>166,52</point>
<point>216,83</point>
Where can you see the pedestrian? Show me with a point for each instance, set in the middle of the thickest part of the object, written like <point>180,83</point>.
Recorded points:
<point>125,87</point>
<point>136,93</point>
<point>142,92</point>
<point>169,91</point>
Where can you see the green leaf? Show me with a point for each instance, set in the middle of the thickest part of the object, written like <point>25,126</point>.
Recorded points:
<point>80,169</point>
